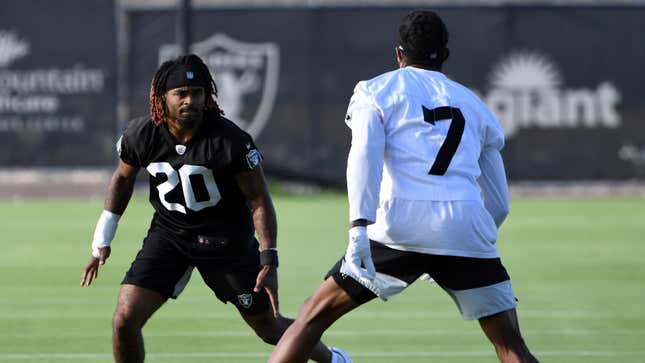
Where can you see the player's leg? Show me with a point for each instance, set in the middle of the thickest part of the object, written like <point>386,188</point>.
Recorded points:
<point>134,307</point>
<point>234,282</point>
<point>503,330</point>
<point>340,293</point>
<point>318,313</point>
<point>159,271</point>
<point>481,289</point>
<point>271,329</point>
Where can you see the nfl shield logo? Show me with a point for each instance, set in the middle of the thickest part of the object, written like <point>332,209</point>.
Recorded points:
<point>246,300</point>
<point>246,75</point>
<point>190,75</point>
<point>180,149</point>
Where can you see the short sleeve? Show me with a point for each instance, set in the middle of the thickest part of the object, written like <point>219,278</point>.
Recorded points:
<point>125,148</point>
<point>245,155</point>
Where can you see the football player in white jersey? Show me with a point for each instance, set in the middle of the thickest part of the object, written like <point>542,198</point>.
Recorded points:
<point>427,191</point>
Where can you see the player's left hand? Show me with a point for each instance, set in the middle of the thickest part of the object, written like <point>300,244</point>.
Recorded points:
<point>268,279</point>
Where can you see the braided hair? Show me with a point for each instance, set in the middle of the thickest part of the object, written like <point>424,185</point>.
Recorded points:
<point>158,108</point>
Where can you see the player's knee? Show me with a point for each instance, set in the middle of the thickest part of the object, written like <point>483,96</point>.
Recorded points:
<point>269,337</point>
<point>122,321</point>
<point>270,329</point>
<point>306,312</point>
<point>269,333</point>
<point>314,311</point>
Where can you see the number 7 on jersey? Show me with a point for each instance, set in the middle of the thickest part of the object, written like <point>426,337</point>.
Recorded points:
<point>450,144</point>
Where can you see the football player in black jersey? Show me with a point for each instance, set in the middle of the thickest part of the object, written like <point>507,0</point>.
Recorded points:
<point>210,198</point>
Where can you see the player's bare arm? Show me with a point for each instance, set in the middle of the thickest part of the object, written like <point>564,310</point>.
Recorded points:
<point>120,188</point>
<point>253,185</point>
<point>118,195</point>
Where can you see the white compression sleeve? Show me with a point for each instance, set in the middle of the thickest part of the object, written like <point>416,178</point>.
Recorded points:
<point>493,184</point>
<point>105,231</point>
<point>365,163</point>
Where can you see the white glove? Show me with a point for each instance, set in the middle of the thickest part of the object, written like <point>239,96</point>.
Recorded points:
<point>358,251</point>
<point>104,232</point>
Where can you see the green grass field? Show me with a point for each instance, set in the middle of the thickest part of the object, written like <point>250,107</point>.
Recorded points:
<point>578,269</point>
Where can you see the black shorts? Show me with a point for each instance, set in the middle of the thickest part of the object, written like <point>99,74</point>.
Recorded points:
<point>479,286</point>
<point>165,263</point>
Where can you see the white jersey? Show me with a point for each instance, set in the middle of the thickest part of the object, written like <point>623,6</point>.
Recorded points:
<point>424,150</point>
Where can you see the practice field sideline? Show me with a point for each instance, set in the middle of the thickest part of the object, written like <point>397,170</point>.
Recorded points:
<point>577,268</point>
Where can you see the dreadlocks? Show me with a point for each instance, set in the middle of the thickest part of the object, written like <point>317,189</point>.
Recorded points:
<point>158,86</point>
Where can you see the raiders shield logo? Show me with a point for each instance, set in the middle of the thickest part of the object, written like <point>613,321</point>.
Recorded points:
<point>246,300</point>
<point>246,75</point>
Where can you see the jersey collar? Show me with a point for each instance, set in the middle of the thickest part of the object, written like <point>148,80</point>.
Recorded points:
<point>174,143</point>
<point>419,69</point>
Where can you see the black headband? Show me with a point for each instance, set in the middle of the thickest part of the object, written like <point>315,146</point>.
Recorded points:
<point>185,75</point>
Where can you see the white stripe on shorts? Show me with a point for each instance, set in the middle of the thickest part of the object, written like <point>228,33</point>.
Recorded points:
<point>183,281</point>
<point>383,286</point>
<point>484,301</point>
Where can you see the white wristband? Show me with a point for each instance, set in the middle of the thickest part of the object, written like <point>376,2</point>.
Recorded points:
<point>104,232</point>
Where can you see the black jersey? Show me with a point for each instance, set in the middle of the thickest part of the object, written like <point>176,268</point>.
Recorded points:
<point>192,187</point>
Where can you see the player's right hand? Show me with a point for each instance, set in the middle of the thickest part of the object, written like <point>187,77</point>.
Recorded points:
<point>358,253</point>
<point>91,270</point>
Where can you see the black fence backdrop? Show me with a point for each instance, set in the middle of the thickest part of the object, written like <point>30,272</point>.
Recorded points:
<point>565,81</point>
<point>57,83</point>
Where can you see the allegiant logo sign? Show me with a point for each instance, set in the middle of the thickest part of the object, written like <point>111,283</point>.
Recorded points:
<point>527,91</point>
